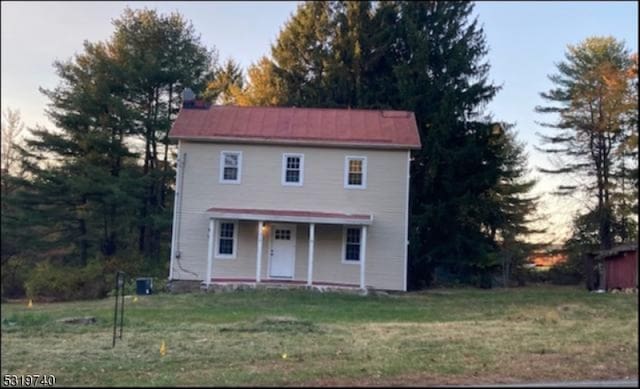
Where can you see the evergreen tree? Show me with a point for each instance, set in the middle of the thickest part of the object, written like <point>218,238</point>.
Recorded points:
<point>262,88</point>
<point>379,87</point>
<point>77,198</point>
<point>595,101</point>
<point>509,207</point>
<point>441,76</point>
<point>425,57</point>
<point>12,127</point>
<point>226,84</point>
<point>158,56</point>
<point>302,55</point>
<point>350,46</point>
<point>90,188</point>
<point>625,173</point>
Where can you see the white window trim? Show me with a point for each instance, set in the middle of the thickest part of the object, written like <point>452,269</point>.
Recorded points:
<point>218,230</point>
<point>238,179</point>
<point>284,169</point>
<point>346,172</point>
<point>344,246</point>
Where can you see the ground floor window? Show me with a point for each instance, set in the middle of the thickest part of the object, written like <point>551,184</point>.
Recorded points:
<point>351,245</point>
<point>227,237</point>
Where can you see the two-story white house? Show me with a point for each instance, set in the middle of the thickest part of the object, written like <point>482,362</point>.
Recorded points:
<point>292,195</point>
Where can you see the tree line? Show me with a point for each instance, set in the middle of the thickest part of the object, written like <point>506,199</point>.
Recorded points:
<point>98,188</point>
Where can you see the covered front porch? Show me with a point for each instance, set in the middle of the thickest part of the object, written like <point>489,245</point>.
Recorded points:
<point>286,247</point>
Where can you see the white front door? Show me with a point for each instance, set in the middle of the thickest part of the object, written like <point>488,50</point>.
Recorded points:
<point>283,250</point>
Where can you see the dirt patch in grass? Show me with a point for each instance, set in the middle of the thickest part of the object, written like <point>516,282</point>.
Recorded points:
<point>284,324</point>
<point>536,369</point>
<point>410,380</point>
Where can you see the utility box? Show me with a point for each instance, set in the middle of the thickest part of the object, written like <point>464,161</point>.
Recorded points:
<point>144,285</point>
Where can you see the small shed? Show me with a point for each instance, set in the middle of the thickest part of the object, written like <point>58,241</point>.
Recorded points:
<point>620,266</point>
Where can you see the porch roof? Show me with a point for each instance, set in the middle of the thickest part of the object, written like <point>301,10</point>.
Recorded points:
<point>292,216</point>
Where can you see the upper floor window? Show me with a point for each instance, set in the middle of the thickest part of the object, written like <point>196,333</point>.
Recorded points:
<point>355,172</point>
<point>292,169</point>
<point>230,167</point>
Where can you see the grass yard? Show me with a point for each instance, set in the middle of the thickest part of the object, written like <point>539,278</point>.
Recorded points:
<point>277,337</point>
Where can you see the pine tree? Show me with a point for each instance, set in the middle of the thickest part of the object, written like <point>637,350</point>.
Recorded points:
<point>350,46</point>
<point>90,187</point>
<point>302,54</point>
<point>625,174</point>
<point>594,100</point>
<point>226,84</point>
<point>76,188</point>
<point>441,76</point>
<point>425,57</point>
<point>509,206</point>
<point>12,128</point>
<point>262,88</point>
<point>158,56</point>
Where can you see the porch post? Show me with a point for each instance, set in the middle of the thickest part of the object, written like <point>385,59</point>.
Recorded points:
<point>312,239</point>
<point>210,251</point>
<point>363,255</point>
<point>259,253</point>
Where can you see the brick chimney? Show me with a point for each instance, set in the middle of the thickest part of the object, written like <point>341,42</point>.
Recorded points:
<point>190,100</point>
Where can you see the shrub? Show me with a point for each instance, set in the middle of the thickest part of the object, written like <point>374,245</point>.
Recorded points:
<point>160,285</point>
<point>531,276</point>
<point>15,272</point>
<point>132,264</point>
<point>55,282</point>
<point>560,274</point>
<point>135,265</point>
<point>129,286</point>
<point>564,274</point>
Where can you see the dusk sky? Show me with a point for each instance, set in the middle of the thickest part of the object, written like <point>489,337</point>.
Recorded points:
<point>526,40</point>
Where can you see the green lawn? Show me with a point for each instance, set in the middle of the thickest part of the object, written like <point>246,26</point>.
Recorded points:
<point>443,336</point>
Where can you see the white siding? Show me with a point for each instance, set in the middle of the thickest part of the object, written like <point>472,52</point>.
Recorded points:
<point>323,190</point>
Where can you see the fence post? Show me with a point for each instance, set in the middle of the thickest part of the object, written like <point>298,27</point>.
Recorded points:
<point>115,311</point>
<point>120,280</point>
<point>122,305</point>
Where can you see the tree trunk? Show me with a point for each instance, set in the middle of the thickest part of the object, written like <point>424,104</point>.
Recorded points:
<point>143,231</point>
<point>84,244</point>
<point>604,215</point>
<point>165,167</point>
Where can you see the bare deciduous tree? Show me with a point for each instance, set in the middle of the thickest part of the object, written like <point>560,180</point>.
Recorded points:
<point>12,126</point>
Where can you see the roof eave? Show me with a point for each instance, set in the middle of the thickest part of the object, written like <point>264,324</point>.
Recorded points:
<point>318,143</point>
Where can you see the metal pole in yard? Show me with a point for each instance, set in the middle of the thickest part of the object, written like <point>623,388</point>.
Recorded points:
<point>115,311</point>
<point>122,306</point>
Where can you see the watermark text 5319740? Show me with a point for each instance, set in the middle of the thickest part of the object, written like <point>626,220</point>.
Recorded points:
<point>29,380</point>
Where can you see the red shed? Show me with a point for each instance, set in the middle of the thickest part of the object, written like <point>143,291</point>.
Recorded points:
<point>621,266</point>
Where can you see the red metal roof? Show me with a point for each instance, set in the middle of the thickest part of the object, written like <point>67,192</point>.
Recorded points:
<point>266,213</point>
<point>316,126</point>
